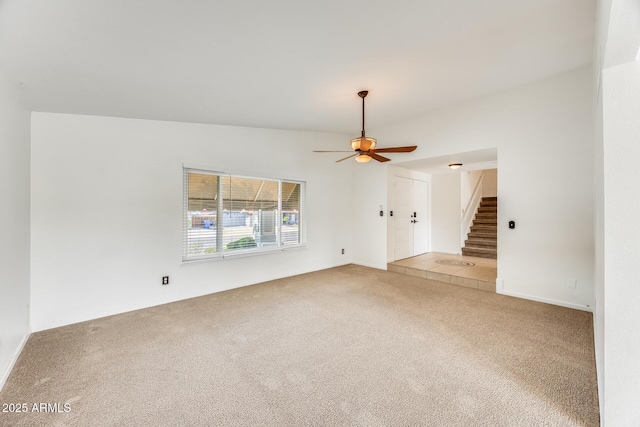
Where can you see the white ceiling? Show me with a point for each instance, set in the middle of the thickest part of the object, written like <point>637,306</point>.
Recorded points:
<point>285,64</point>
<point>471,160</point>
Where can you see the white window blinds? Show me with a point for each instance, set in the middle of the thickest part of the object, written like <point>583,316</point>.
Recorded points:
<point>227,214</point>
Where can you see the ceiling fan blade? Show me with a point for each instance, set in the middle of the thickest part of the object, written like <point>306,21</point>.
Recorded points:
<point>341,151</point>
<point>378,158</point>
<point>395,149</point>
<point>348,157</point>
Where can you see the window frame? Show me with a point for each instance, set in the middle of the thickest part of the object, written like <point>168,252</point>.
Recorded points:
<point>237,253</point>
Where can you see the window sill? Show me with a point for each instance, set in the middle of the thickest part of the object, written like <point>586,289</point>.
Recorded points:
<point>242,254</point>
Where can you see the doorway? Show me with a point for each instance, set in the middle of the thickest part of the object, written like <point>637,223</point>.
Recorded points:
<point>411,217</point>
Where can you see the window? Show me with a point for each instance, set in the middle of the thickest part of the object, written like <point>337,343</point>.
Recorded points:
<point>227,214</point>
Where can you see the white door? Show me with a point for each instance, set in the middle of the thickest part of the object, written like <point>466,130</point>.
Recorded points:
<point>411,218</point>
<point>403,195</point>
<point>421,217</point>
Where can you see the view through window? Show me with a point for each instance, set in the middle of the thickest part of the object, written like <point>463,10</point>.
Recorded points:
<point>226,214</point>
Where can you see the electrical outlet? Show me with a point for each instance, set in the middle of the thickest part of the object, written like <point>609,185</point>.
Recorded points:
<point>572,283</point>
<point>165,280</point>
<point>343,252</point>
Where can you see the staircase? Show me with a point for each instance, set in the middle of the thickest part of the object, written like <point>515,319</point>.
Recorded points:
<point>482,241</point>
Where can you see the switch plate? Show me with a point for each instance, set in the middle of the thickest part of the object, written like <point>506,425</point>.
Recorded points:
<point>165,280</point>
<point>572,283</point>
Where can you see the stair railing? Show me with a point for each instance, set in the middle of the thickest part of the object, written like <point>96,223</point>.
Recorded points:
<point>469,212</point>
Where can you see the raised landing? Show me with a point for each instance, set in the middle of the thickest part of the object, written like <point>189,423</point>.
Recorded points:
<point>471,272</point>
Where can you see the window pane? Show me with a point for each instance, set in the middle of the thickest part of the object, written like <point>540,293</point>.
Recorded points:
<point>249,216</point>
<point>290,213</point>
<point>226,213</point>
<point>201,214</point>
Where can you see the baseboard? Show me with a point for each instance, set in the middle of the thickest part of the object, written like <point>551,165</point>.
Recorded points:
<point>14,359</point>
<point>545,300</point>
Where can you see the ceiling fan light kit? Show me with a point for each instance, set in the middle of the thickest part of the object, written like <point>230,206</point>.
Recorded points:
<point>364,146</point>
<point>363,158</point>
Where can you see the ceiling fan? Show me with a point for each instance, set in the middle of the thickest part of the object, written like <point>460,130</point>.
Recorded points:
<point>364,146</point>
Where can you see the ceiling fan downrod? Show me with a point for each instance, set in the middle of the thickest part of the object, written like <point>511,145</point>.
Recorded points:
<point>362,94</point>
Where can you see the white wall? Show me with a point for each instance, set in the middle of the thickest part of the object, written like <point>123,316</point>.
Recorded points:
<point>621,102</point>
<point>535,128</point>
<point>490,183</point>
<point>106,210</point>
<point>445,212</point>
<point>602,23</point>
<point>468,182</point>
<point>617,319</point>
<point>14,223</point>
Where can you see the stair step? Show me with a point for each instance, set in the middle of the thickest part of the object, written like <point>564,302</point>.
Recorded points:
<point>484,228</point>
<point>481,235</point>
<point>482,243</point>
<point>490,221</point>
<point>484,225</point>
<point>490,238</point>
<point>488,199</point>
<point>490,215</point>
<point>481,252</point>
<point>488,209</point>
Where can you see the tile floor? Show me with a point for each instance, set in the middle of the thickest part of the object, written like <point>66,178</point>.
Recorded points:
<point>469,271</point>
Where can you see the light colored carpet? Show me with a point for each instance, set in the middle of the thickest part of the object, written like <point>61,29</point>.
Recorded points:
<point>348,346</point>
